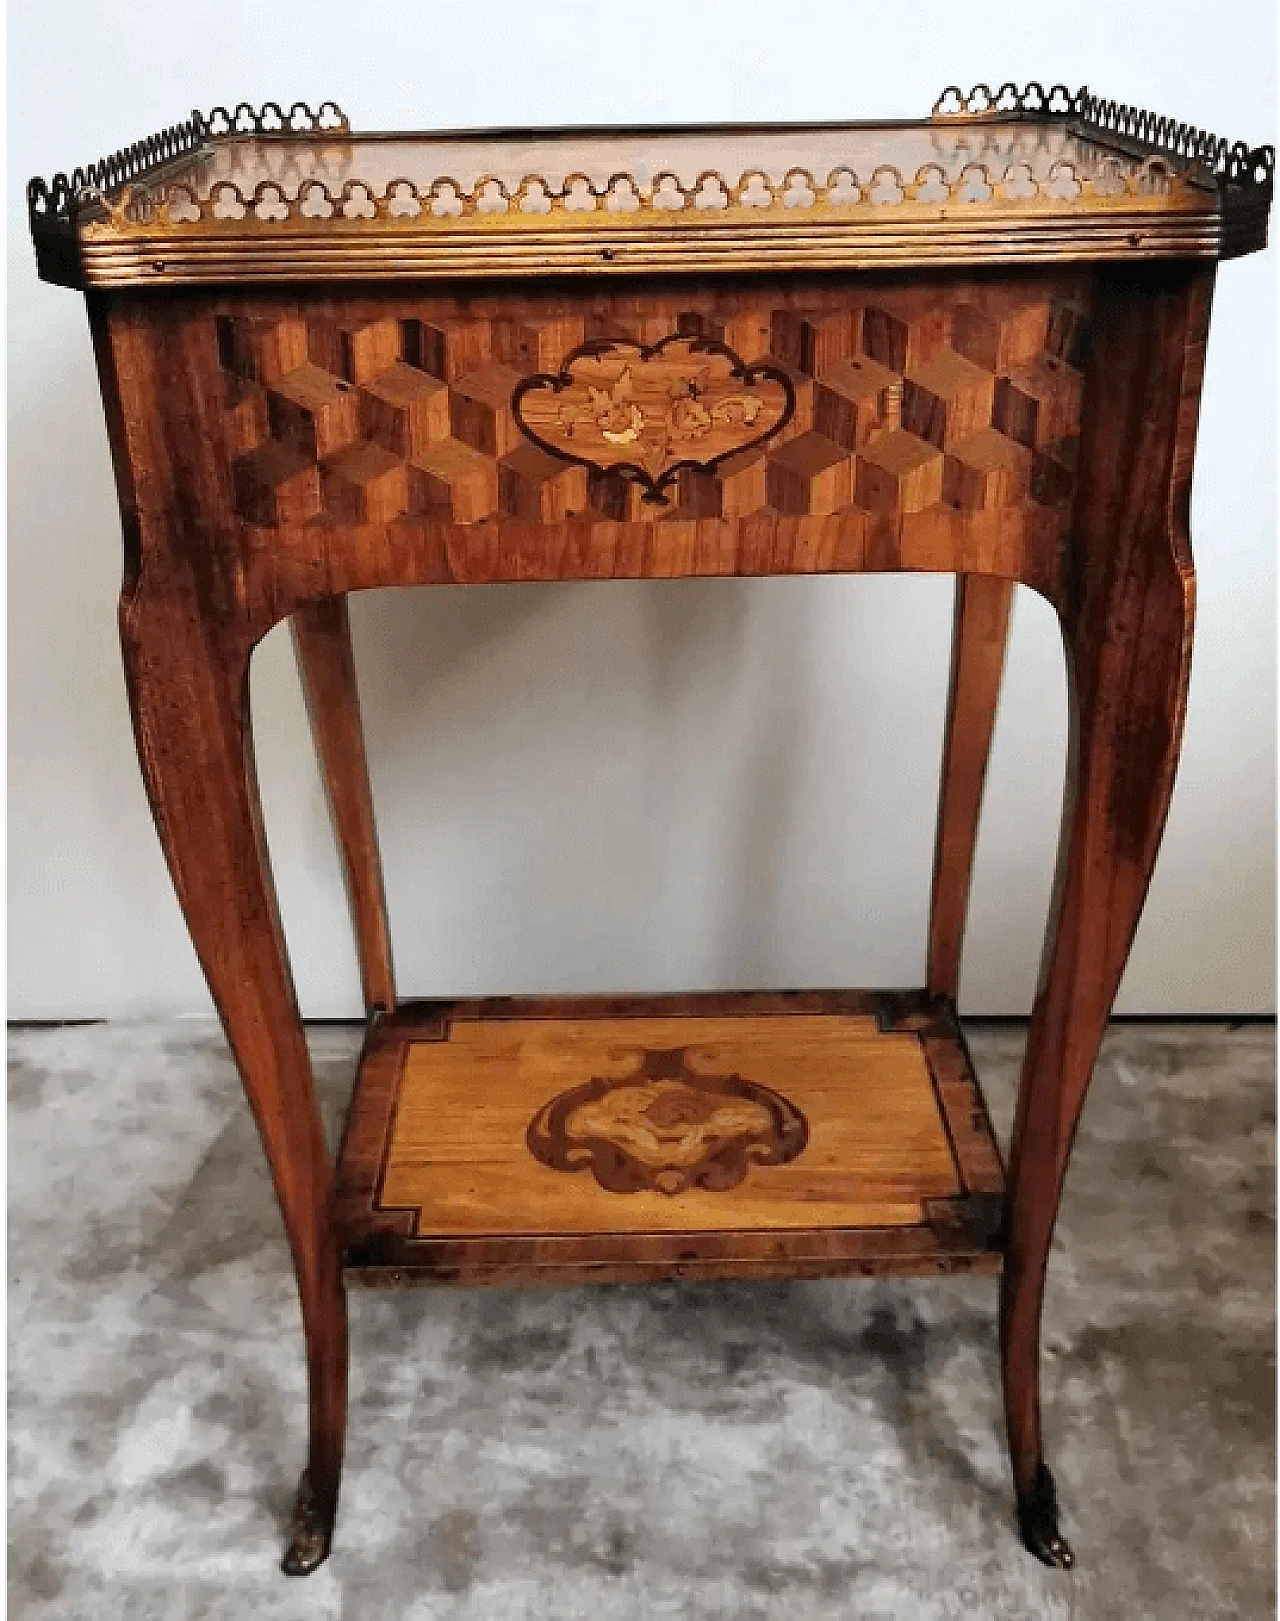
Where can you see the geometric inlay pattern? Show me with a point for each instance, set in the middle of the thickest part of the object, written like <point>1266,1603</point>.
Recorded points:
<point>667,1127</point>
<point>904,402</point>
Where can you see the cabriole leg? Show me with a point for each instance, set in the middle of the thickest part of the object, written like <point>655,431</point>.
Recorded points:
<point>1125,745</point>
<point>1126,753</point>
<point>188,690</point>
<point>1127,620</point>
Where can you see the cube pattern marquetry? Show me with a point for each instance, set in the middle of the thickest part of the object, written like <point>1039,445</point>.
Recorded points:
<point>905,402</point>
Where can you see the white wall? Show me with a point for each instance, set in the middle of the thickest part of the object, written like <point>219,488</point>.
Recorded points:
<point>717,783</point>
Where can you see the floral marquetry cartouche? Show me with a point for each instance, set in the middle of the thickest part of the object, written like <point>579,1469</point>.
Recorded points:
<point>669,1126</point>
<point>331,362</point>
<point>649,411</point>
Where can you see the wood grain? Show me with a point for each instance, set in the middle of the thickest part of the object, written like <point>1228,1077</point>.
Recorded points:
<point>326,663</point>
<point>979,642</point>
<point>436,1172</point>
<point>252,490</point>
<point>186,667</point>
<point>421,494</point>
<point>459,1159</point>
<point>1127,623</point>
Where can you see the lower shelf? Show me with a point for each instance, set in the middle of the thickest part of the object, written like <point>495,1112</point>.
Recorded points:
<point>755,1134</point>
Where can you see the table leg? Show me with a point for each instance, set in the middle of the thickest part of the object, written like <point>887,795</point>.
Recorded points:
<point>978,645</point>
<point>326,664</point>
<point>1127,620</point>
<point>188,689</point>
<point>1125,745</point>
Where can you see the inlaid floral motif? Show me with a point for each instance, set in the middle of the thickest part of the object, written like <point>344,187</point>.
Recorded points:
<point>667,1127</point>
<point>646,411</point>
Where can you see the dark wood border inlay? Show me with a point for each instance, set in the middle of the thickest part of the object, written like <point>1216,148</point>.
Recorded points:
<point>383,1248</point>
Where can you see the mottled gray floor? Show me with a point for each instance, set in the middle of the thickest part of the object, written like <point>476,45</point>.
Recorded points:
<point>796,1451</point>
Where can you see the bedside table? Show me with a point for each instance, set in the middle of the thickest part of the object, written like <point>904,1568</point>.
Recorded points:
<point>332,362</point>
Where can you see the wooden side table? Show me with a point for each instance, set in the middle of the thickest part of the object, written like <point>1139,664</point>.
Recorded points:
<point>332,362</point>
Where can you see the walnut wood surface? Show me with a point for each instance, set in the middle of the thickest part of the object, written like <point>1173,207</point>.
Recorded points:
<point>326,663</point>
<point>458,1155</point>
<point>979,642</point>
<point>186,666</point>
<point>437,1175</point>
<point>1127,618</point>
<point>884,463</point>
<point>275,451</point>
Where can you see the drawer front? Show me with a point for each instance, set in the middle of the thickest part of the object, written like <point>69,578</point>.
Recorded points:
<point>714,427</point>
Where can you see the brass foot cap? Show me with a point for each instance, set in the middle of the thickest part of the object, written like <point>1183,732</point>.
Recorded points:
<point>310,1532</point>
<point>1038,1523</point>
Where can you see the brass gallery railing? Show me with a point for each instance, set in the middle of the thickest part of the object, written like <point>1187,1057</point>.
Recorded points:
<point>130,191</point>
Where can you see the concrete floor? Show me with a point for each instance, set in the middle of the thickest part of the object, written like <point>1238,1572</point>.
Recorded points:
<point>734,1452</point>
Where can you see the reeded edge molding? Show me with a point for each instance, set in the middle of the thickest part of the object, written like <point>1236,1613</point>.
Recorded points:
<point>1059,241</point>
<point>1191,237</point>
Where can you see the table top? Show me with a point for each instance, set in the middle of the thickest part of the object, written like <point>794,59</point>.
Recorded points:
<point>268,195</point>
